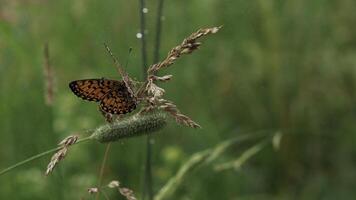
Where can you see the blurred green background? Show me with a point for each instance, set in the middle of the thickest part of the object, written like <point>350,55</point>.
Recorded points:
<point>287,66</point>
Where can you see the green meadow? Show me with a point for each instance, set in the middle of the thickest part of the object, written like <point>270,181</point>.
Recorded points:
<point>274,91</point>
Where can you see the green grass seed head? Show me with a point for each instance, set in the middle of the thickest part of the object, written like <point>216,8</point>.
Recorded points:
<point>135,125</point>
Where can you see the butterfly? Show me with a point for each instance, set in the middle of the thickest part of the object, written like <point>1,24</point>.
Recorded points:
<point>115,97</point>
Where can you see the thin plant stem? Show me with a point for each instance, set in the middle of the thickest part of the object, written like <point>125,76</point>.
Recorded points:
<point>158,31</point>
<point>148,168</point>
<point>143,38</point>
<point>128,57</point>
<point>246,155</point>
<point>148,179</point>
<point>4,171</point>
<point>148,172</point>
<point>106,196</point>
<point>102,168</point>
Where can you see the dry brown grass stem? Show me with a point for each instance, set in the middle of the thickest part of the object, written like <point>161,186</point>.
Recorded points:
<point>48,77</point>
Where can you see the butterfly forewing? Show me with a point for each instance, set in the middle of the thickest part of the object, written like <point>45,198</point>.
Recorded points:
<point>114,96</point>
<point>93,89</point>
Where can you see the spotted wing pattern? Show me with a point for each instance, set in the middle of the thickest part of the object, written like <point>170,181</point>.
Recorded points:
<point>93,89</point>
<point>113,95</point>
<point>118,102</point>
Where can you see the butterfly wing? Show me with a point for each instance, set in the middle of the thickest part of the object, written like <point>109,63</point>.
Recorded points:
<point>94,89</point>
<point>118,101</point>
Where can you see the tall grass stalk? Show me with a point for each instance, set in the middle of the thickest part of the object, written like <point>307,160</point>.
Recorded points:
<point>158,31</point>
<point>207,156</point>
<point>148,173</point>
<point>148,164</point>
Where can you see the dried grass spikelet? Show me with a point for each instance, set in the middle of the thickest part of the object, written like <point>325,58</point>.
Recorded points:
<point>127,193</point>
<point>186,47</point>
<point>152,95</point>
<point>114,184</point>
<point>124,191</point>
<point>135,125</point>
<point>93,190</point>
<point>172,109</point>
<point>61,153</point>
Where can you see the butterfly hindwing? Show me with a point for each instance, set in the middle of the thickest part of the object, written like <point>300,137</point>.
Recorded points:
<point>118,101</point>
<point>93,89</point>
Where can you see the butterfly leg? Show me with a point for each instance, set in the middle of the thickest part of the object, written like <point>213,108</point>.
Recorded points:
<point>118,117</point>
<point>108,116</point>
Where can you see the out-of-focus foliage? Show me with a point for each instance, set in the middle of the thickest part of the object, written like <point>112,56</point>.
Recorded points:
<point>287,66</point>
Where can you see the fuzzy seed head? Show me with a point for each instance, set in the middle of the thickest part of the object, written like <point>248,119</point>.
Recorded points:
<point>136,125</point>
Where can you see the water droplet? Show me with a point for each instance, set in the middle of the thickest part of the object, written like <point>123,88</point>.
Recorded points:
<point>145,10</point>
<point>139,35</point>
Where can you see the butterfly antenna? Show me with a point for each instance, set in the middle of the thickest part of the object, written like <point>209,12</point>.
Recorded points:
<point>116,62</point>
<point>128,57</point>
<point>125,77</point>
<point>110,52</point>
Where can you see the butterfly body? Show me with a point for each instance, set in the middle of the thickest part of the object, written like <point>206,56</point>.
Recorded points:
<point>114,96</point>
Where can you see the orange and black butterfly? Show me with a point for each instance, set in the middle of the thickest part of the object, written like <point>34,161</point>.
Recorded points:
<point>114,96</point>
